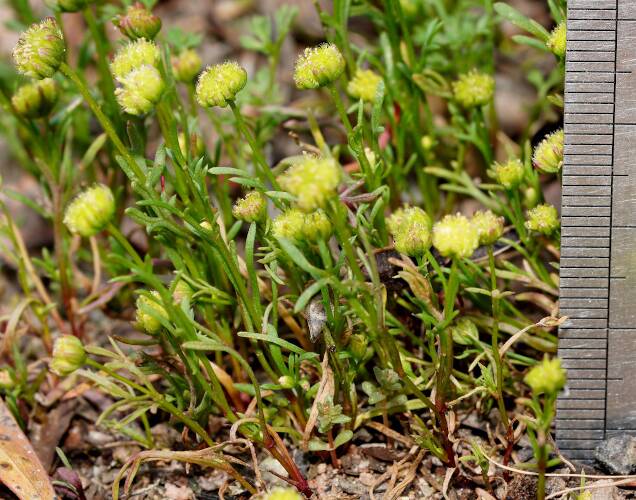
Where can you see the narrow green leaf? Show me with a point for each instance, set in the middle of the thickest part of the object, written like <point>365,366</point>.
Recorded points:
<point>309,292</point>
<point>342,438</point>
<point>299,259</point>
<point>274,340</point>
<point>518,19</point>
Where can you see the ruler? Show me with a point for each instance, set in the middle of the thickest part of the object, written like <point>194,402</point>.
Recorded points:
<point>598,254</point>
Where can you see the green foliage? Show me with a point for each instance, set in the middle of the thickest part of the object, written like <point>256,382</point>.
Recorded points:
<point>291,312</point>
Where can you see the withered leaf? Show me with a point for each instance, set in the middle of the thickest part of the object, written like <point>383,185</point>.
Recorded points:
<point>20,468</point>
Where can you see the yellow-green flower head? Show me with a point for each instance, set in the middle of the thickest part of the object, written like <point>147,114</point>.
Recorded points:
<point>317,226</point>
<point>364,85</point>
<point>312,180</point>
<point>67,5</point>
<point>509,174</point>
<point>251,208</point>
<point>90,211</point>
<point>68,355</point>
<point>411,230</point>
<point>37,99</point>
<point>465,332</point>
<point>195,143</point>
<point>133,55</point>
<point>40,50</point>
<point>489,226</point>
<point>543,219</point>
<point>556,42</point>
<point>138,22</point>
<point>141,89</point>
<point>455,236</point>
<point>220,83</point>
<point>318,66</point>
<point>284,494</point>
<point>548,155</point>
<point>289,225</point>
<point>149,310</point>
<point>186,66</point>
<point>474,89</point>
<point>547,377</point>
<point>182,290</point>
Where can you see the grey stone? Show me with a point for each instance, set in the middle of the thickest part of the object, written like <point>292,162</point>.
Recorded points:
<point>606,492</point>
<point>617,454</point>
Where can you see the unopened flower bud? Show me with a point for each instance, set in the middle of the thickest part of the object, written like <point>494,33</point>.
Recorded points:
<point>37,99</point>
<point>364,85</point>
<point>140,91</point>
<point>465,332</point>
<point>455,236</point>
<point>312,180</point>
<point>283,494</point>
<point>531,197</point>
<point>546,377</point>
<point>318,66</point>
<point>427,142</point>
<point>370,156</point>
<point>6,380</point>
<point>317,227</point>
<point>67,5</point>
<point>289,225</point>
<point>509,174</point>
<point>286,382</point>
<point>40,50</point>
<point>548,155</point>
<point>409,8</point>
<point>182,290</point>
<point>149,310</point>
<point>186,66</point>
<point>358,346</point>
<point>219,84</point>
<point>251,208</point>
<point>411,230</point>
<point>474,89</point>
<point>138,22</point>
<point>132,56</point>
<point>489,226</point>
<point>556,42</point>
<point>195,144</point>
<point>90,211</point>
<point>68,355</point>
<point>543,219</point>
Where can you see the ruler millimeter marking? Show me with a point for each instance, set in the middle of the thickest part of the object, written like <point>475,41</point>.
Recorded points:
<point>598,218</point>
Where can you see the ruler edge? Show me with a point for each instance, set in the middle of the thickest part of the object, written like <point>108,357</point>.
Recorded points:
<point>580,443</point>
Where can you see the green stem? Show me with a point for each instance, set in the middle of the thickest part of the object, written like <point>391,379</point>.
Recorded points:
<point>340,108</point>
<point>123,241</point>
<point>106,124</point>
<point>494,295</point>
<point>157,398</point>
<point>259,158</point>
<point>61,257</point>
<point>106,80</point>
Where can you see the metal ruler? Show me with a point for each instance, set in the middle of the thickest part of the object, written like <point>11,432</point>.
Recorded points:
<point>598,255</point>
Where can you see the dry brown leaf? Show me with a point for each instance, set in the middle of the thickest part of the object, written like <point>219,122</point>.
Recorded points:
<point>20,468</point>
<point>325,391</point>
